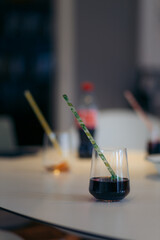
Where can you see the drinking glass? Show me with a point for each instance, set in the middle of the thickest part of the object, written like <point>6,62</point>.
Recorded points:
<point>53,160</point>
<point>153,145</point>
<point>102,186</point>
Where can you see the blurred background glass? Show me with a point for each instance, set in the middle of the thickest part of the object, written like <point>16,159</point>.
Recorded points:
<point>50,47</point>
<point>57,160</point>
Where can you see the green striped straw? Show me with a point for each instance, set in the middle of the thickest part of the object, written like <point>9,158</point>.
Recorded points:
<point>85,129</point>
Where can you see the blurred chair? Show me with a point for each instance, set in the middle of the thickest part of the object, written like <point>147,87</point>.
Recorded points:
<point>119,128</point>
<point>8,142</point>
<point>123,127</point>
<point>8,139</point>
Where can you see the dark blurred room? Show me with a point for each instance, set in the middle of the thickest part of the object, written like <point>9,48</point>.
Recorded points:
<point>50,47</point>
<point>26,62</point>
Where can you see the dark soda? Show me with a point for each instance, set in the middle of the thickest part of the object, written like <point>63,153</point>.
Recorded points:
<point>85,146</point>
<point>153,147</point>
<point>104,188</point>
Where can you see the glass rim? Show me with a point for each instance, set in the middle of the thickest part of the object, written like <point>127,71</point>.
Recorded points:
<point>113,149</point>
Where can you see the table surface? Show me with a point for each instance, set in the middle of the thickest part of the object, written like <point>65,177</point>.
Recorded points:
<point>28,189</point>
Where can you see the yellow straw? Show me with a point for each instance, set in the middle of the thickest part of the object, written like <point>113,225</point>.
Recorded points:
<point>42,120</point>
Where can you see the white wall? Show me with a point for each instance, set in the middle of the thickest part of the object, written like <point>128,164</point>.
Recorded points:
<point>106,48</point>
<point>148,37</point>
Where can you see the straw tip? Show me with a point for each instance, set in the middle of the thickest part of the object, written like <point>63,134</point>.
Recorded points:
<point>65,96</point>
<point>26,92</point>
<point>127,93</point>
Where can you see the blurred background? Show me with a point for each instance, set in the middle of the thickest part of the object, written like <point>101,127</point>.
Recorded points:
<point>51,46</point>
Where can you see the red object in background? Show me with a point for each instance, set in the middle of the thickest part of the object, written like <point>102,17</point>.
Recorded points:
<point>88,112</point>
<point>89,117</point>
<point>87,86</point>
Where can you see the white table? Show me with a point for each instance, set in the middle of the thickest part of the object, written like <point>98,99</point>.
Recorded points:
<point>64,200</point>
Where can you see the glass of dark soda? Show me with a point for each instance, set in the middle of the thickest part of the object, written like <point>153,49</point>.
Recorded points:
<point>102,185</point>
<point>153,145</point>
